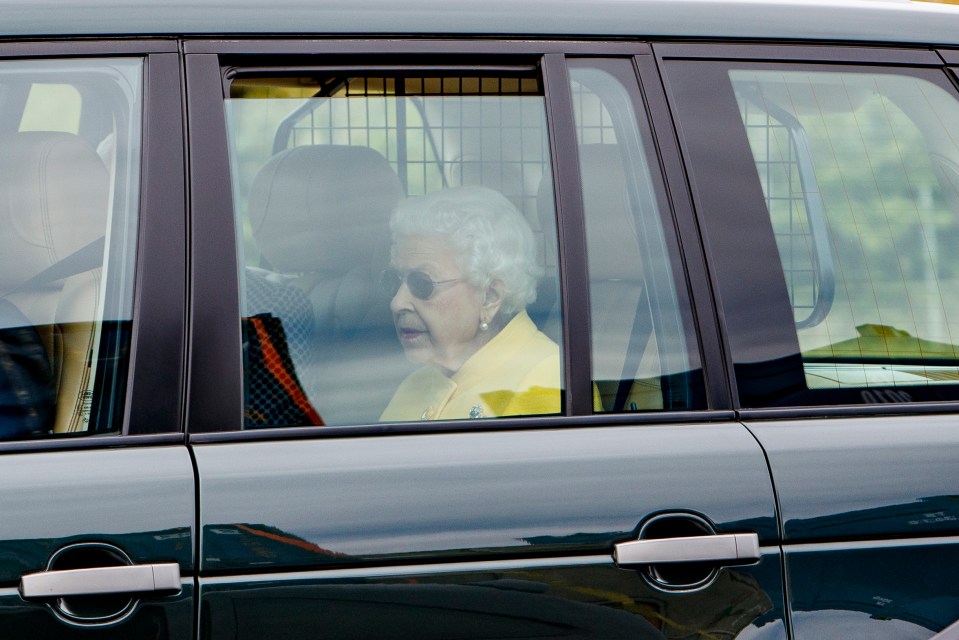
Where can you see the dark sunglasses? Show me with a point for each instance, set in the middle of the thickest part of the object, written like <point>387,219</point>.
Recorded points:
<point>420,284</point>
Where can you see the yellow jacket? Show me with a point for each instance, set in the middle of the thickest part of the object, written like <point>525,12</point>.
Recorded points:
<point>516,373</point>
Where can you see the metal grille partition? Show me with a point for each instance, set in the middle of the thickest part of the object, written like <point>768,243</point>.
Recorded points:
<point>437,130</point>
<point>784,164</point>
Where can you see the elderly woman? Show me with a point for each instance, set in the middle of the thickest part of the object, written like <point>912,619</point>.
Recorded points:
<point>463,270</point>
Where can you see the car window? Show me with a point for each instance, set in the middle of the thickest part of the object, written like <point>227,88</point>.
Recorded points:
<point>69,179</point>
<point>643,351</point>
<point>860,174</point>
<point>398,256</point>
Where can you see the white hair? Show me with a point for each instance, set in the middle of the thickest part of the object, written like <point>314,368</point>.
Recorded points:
<point>490,238</point>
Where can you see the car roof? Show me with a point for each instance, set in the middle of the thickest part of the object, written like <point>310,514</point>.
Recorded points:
<point>824,20</point>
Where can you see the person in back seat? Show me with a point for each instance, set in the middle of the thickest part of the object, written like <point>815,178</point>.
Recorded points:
<point>463,270</point>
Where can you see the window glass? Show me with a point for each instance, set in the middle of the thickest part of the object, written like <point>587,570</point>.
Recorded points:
<point>52,107</point>
<point>69,184</point>
<point>860,173</point>
<point>639,320</point>
<point>398,261</point>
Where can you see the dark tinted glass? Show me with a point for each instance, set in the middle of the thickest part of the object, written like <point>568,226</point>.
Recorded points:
<point>848,194</point>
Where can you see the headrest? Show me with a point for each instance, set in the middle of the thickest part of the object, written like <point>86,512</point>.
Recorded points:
<point>323,207</point>
<point>610,220</point>
<point>54,194</point>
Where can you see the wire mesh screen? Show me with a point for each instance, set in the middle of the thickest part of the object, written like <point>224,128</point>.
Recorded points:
<point>778,164</point>
<point>436,130</point>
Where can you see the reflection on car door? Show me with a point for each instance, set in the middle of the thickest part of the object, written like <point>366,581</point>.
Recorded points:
<point>500,534</point>
<point>126,509</point>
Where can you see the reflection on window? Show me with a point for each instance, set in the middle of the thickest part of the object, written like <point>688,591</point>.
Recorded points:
<point>394,236</point>
<point>640,348</point>
<point>860,173</point>
<point>69,170</point>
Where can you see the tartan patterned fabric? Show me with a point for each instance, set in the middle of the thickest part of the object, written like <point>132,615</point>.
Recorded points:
<point>274,396</point>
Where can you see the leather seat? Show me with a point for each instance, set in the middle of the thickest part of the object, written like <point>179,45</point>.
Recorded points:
<point>54,199</point>
<point>320,218</point>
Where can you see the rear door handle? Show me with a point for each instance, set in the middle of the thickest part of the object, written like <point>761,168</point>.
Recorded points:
<point>736,548</point>
<point>137,578</point>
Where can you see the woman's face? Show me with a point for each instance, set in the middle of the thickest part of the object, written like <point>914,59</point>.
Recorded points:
<point>443,329</point>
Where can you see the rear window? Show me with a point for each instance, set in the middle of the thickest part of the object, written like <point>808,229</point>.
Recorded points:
<point>844,232</point>
<point>859,173</point>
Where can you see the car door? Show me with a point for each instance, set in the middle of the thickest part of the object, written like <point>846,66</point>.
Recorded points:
<point>634,507</point>
<point>825,178</point>
<point>97,498</point>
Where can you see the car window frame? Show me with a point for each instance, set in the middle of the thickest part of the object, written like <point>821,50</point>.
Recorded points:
<point>727,285</point>
<point>666,199</point>
<point>215,394</point>
<point>154,390</point>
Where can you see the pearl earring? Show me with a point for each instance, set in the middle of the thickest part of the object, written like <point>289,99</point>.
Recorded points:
<point>484,326</point>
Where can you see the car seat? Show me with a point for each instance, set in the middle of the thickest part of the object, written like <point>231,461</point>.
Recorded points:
<point>319,215</point>
<point>54,199</point>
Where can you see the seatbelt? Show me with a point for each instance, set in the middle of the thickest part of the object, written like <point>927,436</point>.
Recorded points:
<point>638,339</point>
<point>87,257</point>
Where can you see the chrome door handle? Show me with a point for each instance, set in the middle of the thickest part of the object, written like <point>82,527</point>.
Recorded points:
<point>137,578</point>
<point>736,548</point>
